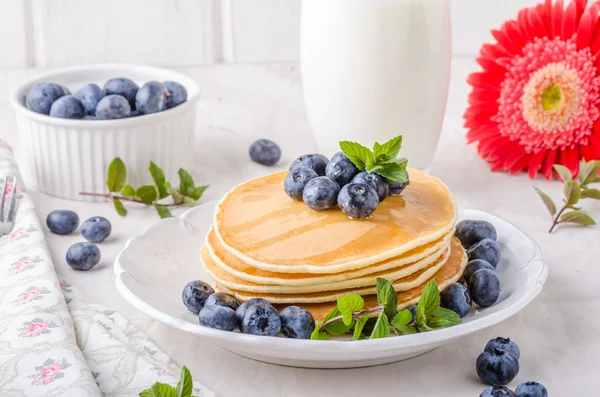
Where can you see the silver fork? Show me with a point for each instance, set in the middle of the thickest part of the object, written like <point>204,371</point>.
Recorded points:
<point>7,224</point>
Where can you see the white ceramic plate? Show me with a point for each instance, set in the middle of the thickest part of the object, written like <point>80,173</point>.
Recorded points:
<point>155,266</point>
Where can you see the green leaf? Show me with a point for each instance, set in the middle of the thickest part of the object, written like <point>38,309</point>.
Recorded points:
<point>443,318</point>
<point>392,172</point>
<point>159,180</point>
<point>163,211</point>
<point>588,173</point>
<point>591,193</point>
<point>318,335</point>
<point>547,201</point>
<point>390,148</point>
<point>128,191</point>
<point>117,175</point>
<point>572,192</point>
<point>198,192</point>
<point>382,290</point>
<point>177,197</point>
<point>386,296</point>
<point>358,327</point>
<point>190,202</point>
<point>578,217</point>
<point>146,193</point>
<point>186,384</point>
<point>357,153</point>
<point>406,329</point>
<point>430,299</point>
<point>186,182</point>
<point>333,313</point>
<point>119,207</point>
<point>405,317</point>
<point>339,328</point>
<point>382,327</point>
<point>159,390</point>
<point>563,172</point>
<point>348,304</point>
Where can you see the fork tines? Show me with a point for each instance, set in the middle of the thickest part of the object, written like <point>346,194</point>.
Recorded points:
<point>10,215</point>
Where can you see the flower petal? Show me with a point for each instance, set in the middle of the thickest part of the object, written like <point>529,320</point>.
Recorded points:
<point>536,163</point>
<point>491,66</point>
<point>548,166</point>
<point>481,133</point>
<point>570,159</point>
<point>570,21</point>
<point>536,23</point>
<point>584,31</point>
<point>521,164</point>
<point>557,18</point>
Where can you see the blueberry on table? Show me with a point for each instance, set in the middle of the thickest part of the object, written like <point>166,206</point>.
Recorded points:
<point>471,232</point>
<point>96,229</point>
<point>375,181</point>
<point>113,107</point>
<point>218,317</point>
<point>62,222</point>
<point>41,97</point>
<point>194,295</point>
<point>504,344</point>
<point>396,188</point>
<point>296,181</point>
<point>151,98</point>
<point>341,169</point>
<point>320,193</point>
<point>358,200</point>
<point>296,323</point>
<point>177,94</point>
<point>265,152</point>
<point>498,391</point>
<point>223,299</point>
<point>531,389</point>
<point>484,287</point>
<point>261,319</point>
<point>89,95</point>
<point>241,310</point>
<point>83,256</point>
<point>456,297</point>
<point>316,162</point>
<point>487,249</point>
<point>122,86</point>
<point>473,266</point>
<point>497,367</point>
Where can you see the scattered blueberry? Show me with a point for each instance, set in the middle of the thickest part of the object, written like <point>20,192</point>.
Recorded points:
<point>194,295</point>
<point>531,389</point>
<point>498,391</point>
<point>40,98</point>
<point>497,367</point>
<point>222,299</point>
<point>484,287</point>
<point>321,193</point>
<point>296,323</point>
<point>83,256</point>
<point>113,107</point>
<point>358,200</point>
<point>177,94</point>
<point>218,317</point>
<point>89,95</point>
<point>470,232</point>
<point>487,249</point>
<point>96,229</point>
<point>456,297</point>
<point>341,169</point>
<point>397,188</point>
<point>261,319</point>
<point>151,98</point>
<point>265,152</point>
<point>62,222</point>
<point>122,86</point>
<point>241,310</point>
<point>504,344</point>
<point>473,266</point>
<point>316,162</point>
<point>296,181</point>
<point>375,181</point>
<point>413,310</point>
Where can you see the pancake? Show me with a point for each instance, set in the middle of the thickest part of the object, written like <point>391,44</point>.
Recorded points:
<point>258,223</point>
<point>234,266</point>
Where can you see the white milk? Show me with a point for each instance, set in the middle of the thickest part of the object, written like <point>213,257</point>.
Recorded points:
<point>374,69</point>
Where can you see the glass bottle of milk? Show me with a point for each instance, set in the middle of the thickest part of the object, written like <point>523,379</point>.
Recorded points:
<point>374,69</point>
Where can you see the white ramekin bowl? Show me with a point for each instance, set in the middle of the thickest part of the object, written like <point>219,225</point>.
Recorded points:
<point>64,157</point>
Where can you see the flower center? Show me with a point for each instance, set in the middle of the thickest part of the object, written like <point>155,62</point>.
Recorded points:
<point>552,98</point>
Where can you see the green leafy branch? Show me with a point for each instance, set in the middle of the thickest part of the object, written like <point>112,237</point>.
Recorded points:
<point>350,316</point>
<point>382,160</point>
<point>183,389</point>
<point>151,195</point>
<point>574,190</point>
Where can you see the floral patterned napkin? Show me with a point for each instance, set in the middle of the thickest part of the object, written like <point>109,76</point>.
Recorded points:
<point>54,341</point>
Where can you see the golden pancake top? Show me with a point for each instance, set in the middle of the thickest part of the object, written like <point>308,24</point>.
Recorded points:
<point>261,225</point>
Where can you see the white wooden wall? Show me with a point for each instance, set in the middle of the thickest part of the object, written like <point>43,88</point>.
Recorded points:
<point>55,33</point>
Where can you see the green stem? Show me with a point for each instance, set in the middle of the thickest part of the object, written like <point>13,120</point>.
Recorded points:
<point>355,315</point>
<point>556,221</point>
<point>109,196</point>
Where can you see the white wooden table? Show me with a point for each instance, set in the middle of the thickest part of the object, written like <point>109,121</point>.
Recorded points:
<point>557,333</point>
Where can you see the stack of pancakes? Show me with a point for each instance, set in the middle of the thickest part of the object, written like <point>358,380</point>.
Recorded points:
<point>265,245</point>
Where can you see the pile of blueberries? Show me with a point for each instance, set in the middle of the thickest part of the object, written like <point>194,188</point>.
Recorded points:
<point>80,256</point>
<point>255,316</point>
<point>498,365</point>
<point>119,98</point>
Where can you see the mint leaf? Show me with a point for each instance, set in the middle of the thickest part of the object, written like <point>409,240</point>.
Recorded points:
<point>386,296</point>
<point>190,202</point>
<point>430,299</point>
<point>348,304</point>
<point>578,217</point>
<point>163,211</point>
<point>382,290</point>
<point>358,327</point>
<point>185,385</point>
<point>588,172</point>
<point>390,148</point>
<point>186,183</point>
<point>402,318</point>
<point>392,172</point>
<point>159,180</point>
<point>572,192</point>
<point>119,207</point>
<point>591,193</point>
<point>159,390</point>
<point>198,192</point>
<point>128,191</point>
<point>563,172</point>
<point>117,175</point>
<point>382,327</point>
<point>406,329</point>
<point>146,193</point>
<point>443,318</point>
<point>547,201</point>
<point>177,197</point>
<point>357,153</point>
<point>339,328</point>
<point>318,335</point>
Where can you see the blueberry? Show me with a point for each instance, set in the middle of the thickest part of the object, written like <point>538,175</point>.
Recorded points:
<point>471,232</point>
<point>135,113</point>
<point>487,249</point>
<point>484,287</point>
<point>66,107</point>
<point>296,323</point>
<point>151,98</point>
<point>89,95</point>
<point>62,90</point>
<point>413,310</point>
<point>96,229</point>
<point>456,297</point>
<point>358,200</point>
<point>83,256</point>
<point>195,294</point>
<point>261,319</point>
<point>320,193</point>
<point>531,389</point>
<point>397,188</point>
<point>177,94</point>
<point>341,169</point>
<point>218,317</point>
<point>265,152</point>
<point>504,344</point>
<point>41,97</point>
<point>498,391</point>
<point>241,310</point>
<point>296,181</point>
<point>497,367</point>
<point>122,86</point>
<point>316,162</point>
<point>223,299</point>
<point>113,107</point>
<point>62,222</point>
<point>475,265</point>
<point>90,117</point>
<point>375,181</point>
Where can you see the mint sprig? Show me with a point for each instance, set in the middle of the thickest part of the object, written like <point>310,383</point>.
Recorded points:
<point>382,160</point>
<point>183,389</point>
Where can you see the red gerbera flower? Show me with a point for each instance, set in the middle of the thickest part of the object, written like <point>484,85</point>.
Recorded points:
<point>536,102</point>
